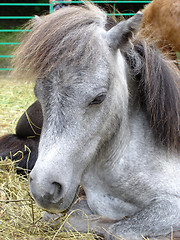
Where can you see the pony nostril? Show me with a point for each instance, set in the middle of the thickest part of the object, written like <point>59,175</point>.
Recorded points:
<point>57,191</point>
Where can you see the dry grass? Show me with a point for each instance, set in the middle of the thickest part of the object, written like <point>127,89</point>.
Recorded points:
<point>20,216</point>
<point>15,97</point>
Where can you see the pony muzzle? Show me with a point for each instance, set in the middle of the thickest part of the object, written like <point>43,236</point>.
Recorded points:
<point>46,195</point>
<point>52,195</point>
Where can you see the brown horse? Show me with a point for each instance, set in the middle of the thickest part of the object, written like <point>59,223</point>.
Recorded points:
<point>161,22</point>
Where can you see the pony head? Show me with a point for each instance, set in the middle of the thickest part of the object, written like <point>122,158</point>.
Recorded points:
<point>82,88</point>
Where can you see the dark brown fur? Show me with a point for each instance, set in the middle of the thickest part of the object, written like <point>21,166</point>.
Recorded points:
<point>28,130</point>
<point>158,89</point>
<point>15,148</point>
<point>30,123</point>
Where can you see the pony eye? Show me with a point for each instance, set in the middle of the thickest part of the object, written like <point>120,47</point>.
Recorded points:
<point>98,99</point>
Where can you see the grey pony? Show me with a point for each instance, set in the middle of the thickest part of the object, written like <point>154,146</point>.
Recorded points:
<point>110,123</point>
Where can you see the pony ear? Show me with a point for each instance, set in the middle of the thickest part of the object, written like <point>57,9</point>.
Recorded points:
<point>118,36</point>
<point>37,18</point>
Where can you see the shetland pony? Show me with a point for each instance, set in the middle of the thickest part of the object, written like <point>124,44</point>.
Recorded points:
<point>111,110</point>
<point>160,22</point>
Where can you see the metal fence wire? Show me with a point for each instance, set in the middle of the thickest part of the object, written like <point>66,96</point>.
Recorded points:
<point>49,6</point>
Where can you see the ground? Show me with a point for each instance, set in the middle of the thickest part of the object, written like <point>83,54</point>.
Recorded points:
<point>15,97</point>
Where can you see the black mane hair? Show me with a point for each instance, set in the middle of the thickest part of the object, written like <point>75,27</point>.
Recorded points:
<point>158,88</point>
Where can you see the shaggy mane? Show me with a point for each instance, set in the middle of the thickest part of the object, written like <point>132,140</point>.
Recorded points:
<point>67,35</point>
<point>158,90</point>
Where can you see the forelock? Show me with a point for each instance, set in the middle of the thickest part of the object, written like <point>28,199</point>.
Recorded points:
<point>61,37</point>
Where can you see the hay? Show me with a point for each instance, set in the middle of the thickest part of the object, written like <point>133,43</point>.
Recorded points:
<point>21,218</point>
